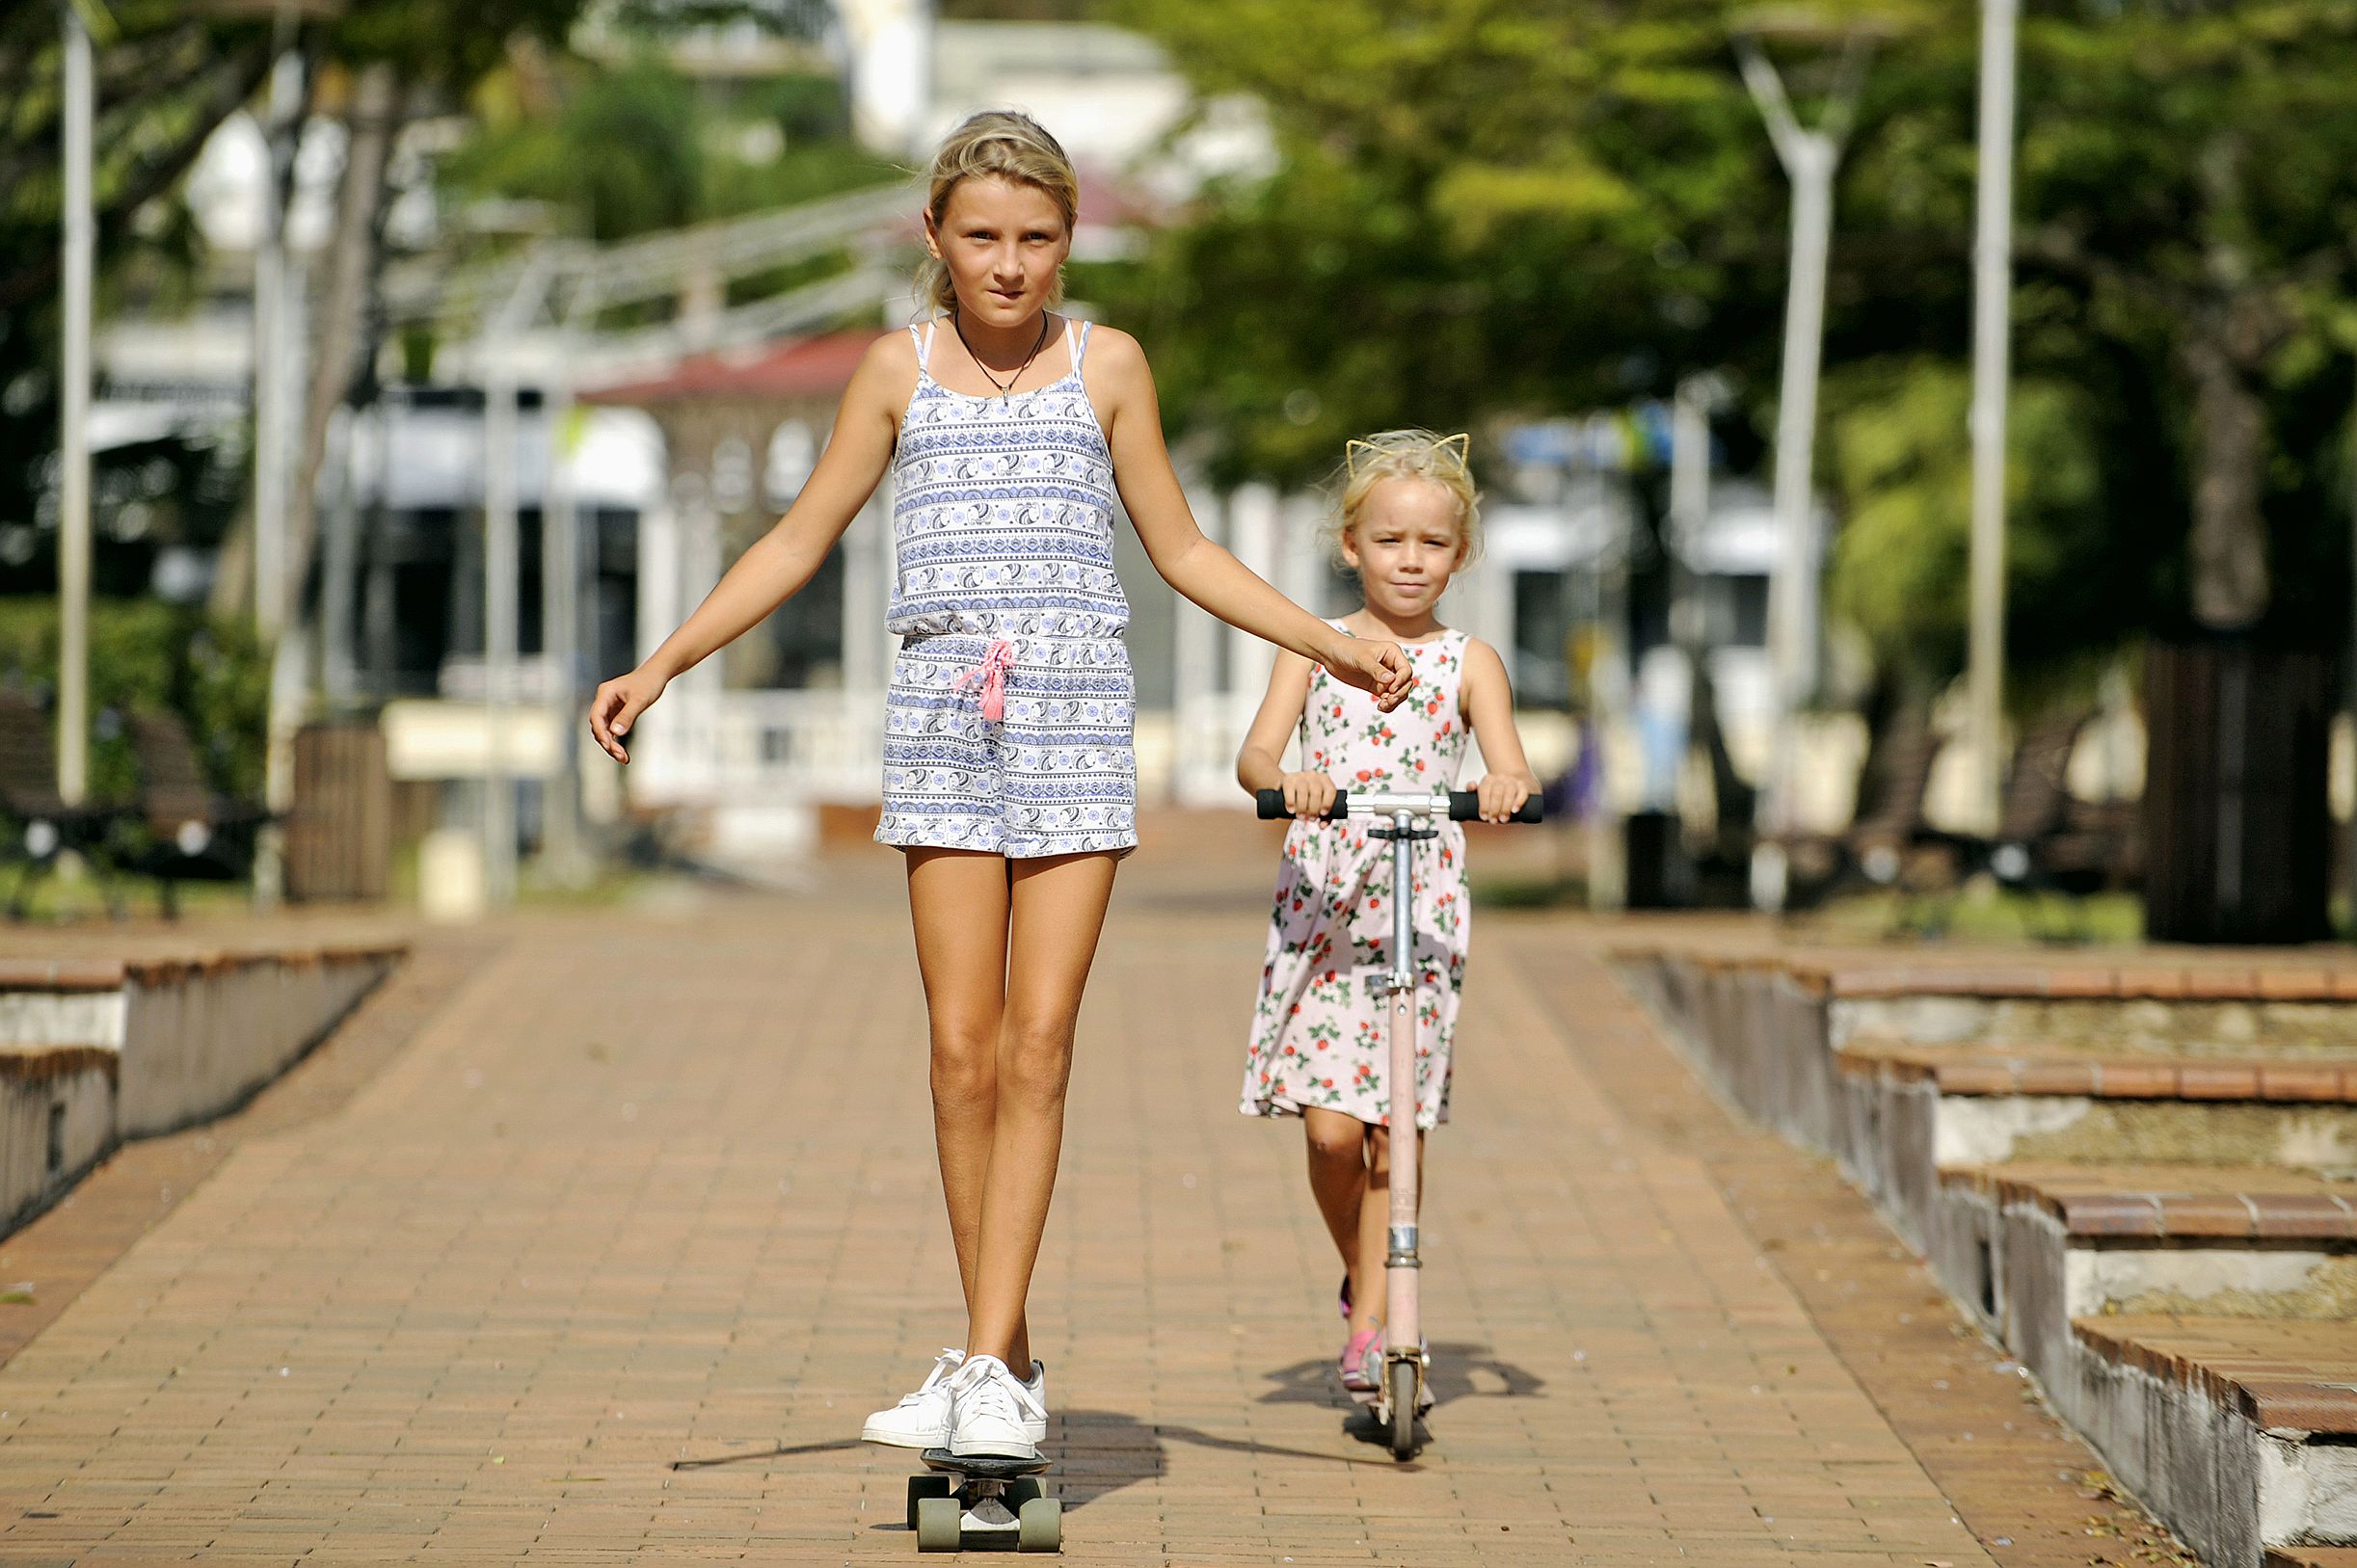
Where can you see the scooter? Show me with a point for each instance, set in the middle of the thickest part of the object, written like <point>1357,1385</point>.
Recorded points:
<point>1406,818</point>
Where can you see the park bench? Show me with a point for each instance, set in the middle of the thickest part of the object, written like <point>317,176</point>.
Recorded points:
<point>41,825</point>
<point>191,833</point>
<point>2047,840</point>
<point>1888,846</point>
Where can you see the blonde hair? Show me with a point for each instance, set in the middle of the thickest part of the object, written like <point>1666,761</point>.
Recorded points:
<point>1406,454</point>
<point>1007,145</point>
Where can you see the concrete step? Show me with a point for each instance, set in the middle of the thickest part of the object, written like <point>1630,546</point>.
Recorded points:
<point>94,1051</point>
<point>2312,1557</point>
<point>2066,1182</point>
<point>1985,1105</point>
<point>2242,1434</point>
<point>57,1117</point>
<point>2059,1241</point>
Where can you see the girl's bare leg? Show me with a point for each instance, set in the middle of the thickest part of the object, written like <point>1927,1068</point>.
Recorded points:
<point>1338,1180</point>
<point>1057,908</point>
<point>959,901</point>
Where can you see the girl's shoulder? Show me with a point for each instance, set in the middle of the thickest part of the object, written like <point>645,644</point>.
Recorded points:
<point>890,365</point>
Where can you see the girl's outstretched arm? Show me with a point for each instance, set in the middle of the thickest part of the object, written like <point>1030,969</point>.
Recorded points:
<point>1260,764</point>
<point>779,564</point>
<point>1122,386</point>
<point>1488,700</point>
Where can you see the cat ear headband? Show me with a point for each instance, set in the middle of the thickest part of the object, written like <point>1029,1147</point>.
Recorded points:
<point>1457,449</point>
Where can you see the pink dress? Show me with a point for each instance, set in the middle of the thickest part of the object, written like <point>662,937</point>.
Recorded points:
<point>1320,1030</point>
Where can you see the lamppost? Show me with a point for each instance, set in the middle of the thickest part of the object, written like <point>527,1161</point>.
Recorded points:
<point>1810,156</point>
<point>79,262</point>
<point>1992,319</point>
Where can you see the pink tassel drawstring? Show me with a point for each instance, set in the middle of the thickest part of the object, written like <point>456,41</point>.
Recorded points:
<point>991,676</point>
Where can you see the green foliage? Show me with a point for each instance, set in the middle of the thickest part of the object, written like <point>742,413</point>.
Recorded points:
<point>636,147</point>
<point>1896,435</point>
<point>1490,208</point>
<point>1480,207</point>
<point>148,657</point>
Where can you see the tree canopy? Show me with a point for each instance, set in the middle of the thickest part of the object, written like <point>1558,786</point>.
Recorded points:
<point>1485,209</point>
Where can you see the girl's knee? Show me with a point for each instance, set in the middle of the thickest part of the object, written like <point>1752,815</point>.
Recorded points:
<point>965,1062</point>
<point>1336,1144</point>
<point>1034,1059</point>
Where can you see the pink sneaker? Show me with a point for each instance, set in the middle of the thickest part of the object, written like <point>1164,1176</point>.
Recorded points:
<point>1362,1361</point>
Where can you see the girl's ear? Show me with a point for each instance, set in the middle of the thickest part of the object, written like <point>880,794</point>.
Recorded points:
<point>1348,543</point>
<point>932,236</point>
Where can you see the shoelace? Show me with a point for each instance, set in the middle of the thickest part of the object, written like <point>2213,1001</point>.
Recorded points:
<point>947,1362</point>
<point>995,1395</point>
<point>991,675</point>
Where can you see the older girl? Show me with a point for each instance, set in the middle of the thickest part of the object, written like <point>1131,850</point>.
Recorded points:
<point>1013,435</point>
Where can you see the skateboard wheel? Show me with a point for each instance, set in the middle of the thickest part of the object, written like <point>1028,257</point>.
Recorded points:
<point>1040,1527</point>
<point>1021,1490</point>
<point>1400,1396</point>
<point>940,1523</point>
<point>921,1487</point>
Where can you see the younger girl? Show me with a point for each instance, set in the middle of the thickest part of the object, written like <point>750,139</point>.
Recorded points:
<point>1409,517</point>
<point>1013,435</point>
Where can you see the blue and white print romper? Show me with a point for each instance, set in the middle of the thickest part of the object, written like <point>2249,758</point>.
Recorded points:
<point>1008,725</point>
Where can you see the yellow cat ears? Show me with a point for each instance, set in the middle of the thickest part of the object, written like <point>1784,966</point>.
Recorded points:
<point>1410,449</point>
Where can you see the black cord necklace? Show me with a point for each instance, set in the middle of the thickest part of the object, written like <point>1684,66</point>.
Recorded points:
<point>958,326</point>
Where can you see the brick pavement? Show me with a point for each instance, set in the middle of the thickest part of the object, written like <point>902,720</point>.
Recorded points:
<point>611,1258</point>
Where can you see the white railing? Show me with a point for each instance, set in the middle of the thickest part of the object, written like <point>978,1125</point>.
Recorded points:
<point>777,746</point>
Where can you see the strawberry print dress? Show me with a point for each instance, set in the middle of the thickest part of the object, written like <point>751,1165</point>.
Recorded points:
<point>1320,1030</point>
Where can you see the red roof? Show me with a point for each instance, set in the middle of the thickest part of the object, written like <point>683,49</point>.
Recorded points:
<point>818,366</point>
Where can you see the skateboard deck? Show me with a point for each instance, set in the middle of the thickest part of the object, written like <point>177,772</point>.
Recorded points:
<point>986,1467</point>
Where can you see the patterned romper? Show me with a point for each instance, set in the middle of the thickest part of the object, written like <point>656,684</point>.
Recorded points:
<point>1008,725</point>
<point>1321,1029</point>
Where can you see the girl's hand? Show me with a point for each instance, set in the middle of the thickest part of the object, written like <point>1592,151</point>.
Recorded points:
<point>1371,666</point>
<point>617,705</point>
<point>1502,796</point>
<point>1309,795</point>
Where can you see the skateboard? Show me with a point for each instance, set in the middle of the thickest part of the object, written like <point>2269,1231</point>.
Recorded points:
<point>981,1504</point>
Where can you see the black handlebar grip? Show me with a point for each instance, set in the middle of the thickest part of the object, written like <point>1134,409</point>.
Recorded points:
<point>1271,804</point>
<point>1466,805</point>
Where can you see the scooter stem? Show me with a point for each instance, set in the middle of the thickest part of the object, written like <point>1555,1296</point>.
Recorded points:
<point>1401,1332</point>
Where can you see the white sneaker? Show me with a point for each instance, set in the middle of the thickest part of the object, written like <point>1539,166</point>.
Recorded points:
<point>1035,1427</point>
<point>993,1414</point>
<point>921,1419</point>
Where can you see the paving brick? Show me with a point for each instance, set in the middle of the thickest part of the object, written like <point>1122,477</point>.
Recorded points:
<point>644,1191</point>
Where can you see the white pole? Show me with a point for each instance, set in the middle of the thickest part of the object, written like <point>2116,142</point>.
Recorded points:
<point>1992,318</point>
<point>1810,159</point>
<point>500,565</point>
<point>74,422</point>
<point>560,568</point>
<point>273,369</point>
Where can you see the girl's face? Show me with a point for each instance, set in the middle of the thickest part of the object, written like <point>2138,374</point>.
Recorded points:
<point>1404,547</point>
<point>1002,241</point>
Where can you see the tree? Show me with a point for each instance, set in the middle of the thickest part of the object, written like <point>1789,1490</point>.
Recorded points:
<point>1479,206</point>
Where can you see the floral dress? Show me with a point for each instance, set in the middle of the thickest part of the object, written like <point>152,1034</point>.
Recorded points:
<point>1321,1031</point>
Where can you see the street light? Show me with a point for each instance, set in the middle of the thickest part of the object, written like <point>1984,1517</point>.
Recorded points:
<point>1992,319</point>
<point>79,261</point>
<point>1810,156</point>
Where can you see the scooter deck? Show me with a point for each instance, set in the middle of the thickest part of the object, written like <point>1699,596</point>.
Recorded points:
<point>984,1467</point>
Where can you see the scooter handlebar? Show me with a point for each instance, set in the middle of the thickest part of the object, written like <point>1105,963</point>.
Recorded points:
<point>1464,805</point>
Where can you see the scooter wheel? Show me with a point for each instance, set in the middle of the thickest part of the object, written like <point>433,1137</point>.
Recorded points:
<point>921,1487</point>
<point>1400,1397</point>
<point>940,1522</point>
<point>1040,1527</point>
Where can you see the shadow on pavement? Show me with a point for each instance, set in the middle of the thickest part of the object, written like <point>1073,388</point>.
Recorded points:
<point>1458,1372</point>
<point>839,1446</point>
